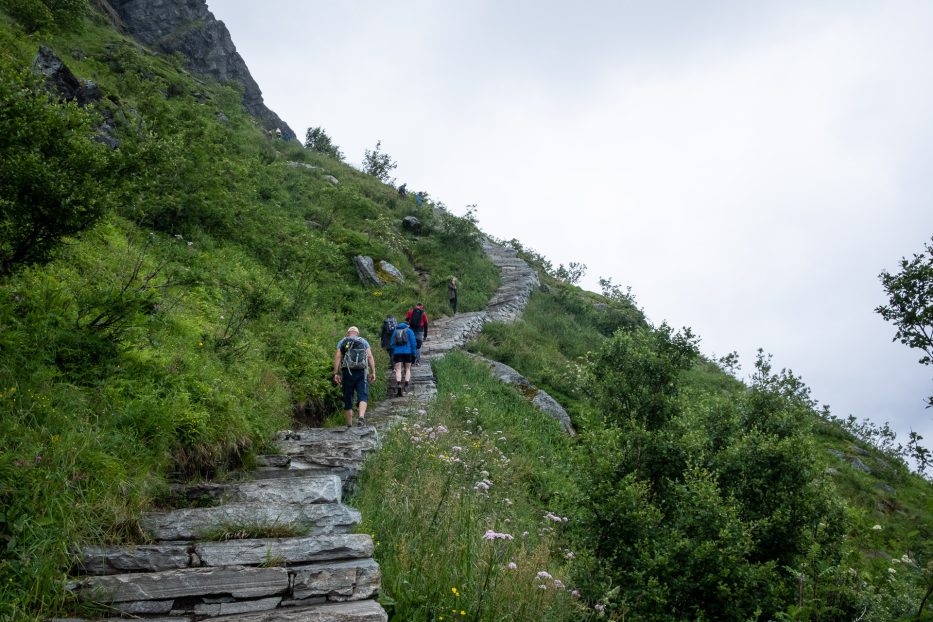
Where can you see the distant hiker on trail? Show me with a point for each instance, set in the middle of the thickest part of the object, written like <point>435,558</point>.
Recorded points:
<point>403,190</point>
<point>417,320</point>
<point>388,327</point>
<point>419,199</point>
<point>404,350</point>
<point>452,286</point>
<point>352,361</point>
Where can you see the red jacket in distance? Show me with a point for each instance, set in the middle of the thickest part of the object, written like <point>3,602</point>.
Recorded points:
<point>424,321</point>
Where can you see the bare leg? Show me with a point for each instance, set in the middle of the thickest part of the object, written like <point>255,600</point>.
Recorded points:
<point>349,415</point>
<point>398,372</point>
<point>362,410</point>
<point>407,373</point>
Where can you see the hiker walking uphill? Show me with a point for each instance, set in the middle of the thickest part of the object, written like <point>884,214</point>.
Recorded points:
<point>388,327</point>
<point>404,350</point>
<point>417,320</point>
<point>354,369</point>
<point>453,285</point>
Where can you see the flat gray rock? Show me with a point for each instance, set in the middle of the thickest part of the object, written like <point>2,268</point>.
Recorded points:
<point>194,523</point>
<point>243,606</point>
<point>312,488</point>
<point>101,560</point>
<point>356,611</point>
<point>236,581</point>
<point>348,580</point>
<point>285,550</point>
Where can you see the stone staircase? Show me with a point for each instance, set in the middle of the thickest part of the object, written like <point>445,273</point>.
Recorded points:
<point>321,571</point>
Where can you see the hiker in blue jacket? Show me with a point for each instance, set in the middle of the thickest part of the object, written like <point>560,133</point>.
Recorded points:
<point>404,349</point>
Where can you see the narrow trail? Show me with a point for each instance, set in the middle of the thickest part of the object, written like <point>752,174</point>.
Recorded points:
<point>317,570</point>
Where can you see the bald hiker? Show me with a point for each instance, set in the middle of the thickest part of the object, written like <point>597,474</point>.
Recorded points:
<point>354,369</point>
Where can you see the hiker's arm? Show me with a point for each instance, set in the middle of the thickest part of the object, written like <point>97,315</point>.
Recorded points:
<point>372,364</point>
<point>337,358</point>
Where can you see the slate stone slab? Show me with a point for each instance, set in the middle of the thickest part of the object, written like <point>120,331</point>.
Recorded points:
<point>279,462</point>
<point>350,580</point>
<point>193,523</point>
<point>237,581</point>
<point>102,560</point>
<point>242,606</point>
<point>356,611</point>
<point>286,550</point>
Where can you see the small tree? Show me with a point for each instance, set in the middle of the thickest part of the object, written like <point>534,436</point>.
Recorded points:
<point>316,139</point>
<point>378,164</point>
<point>910,303</point>
<point>52,175</point>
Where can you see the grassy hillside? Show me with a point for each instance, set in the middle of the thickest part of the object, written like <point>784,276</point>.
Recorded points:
<point>189,304</point>
<point>199,313</point>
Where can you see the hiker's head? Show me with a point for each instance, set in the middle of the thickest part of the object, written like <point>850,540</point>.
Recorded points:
<point>420,305</point>
<point>353,331</point>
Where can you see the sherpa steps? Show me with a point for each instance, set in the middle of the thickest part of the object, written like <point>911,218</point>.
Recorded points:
<point>306,577</point>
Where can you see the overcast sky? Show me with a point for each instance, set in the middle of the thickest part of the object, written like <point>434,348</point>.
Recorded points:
<point>747,168</point>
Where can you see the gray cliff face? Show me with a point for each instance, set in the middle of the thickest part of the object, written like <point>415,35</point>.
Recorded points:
<point>188,26</point>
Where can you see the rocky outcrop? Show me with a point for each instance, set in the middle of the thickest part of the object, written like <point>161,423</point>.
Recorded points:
<point>188,26</point>
<point>539,398</point>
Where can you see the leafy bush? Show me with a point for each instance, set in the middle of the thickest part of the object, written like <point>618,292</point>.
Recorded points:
<point>316,139</point>
<point>46,14</point>
<point>54,180</point>
<point>379,164</point>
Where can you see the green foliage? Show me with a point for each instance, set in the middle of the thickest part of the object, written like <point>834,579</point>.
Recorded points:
<point>910,303</point>
<point>379,164</point>
<point>54,180</point>
<point>316,139</point>
<point>453,500</point>
<point>46,14</point>
<point>719,492</point>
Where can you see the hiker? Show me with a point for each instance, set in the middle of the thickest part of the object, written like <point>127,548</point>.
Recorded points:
<point>419,199</point>
<point>452,286</point>
<point>352,361</point>
<point>388,327</point>
<point>404,350</point>
<point>417,320</point>
<point>403,191</point>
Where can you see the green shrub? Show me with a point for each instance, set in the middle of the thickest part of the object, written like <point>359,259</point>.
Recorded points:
<point>54,180</point>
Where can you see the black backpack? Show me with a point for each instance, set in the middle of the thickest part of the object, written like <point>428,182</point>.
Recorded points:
<point>354,354</point>
<point>388,327</point>
<point>417,319</point>
<point>401,336</point>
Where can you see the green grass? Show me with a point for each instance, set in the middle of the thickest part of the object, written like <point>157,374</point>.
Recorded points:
<point>422,496</point>
<point>174,338</point>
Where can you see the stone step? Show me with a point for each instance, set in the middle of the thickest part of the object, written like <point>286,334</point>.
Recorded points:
<point>355,611</point>
<point>318,487</point>
<point>210,592</point>
<point>107,560</point>
<point>330,447</point>
<point>198,523</point>
<point>285,550</point>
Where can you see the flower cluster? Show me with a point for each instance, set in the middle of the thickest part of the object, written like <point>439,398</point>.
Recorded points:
<point>555,518</point>
<point>493,535</point>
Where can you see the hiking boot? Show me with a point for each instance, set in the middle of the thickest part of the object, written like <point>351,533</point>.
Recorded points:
<point>398,392</point>
<point>360,422</point>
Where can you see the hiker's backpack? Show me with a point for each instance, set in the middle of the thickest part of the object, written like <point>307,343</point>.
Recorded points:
<point>417,319</point>
<point>388,327</point>
<point>354,354</point>
<point>401,336</point>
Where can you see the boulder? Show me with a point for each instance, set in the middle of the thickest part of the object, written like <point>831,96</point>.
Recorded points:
<point>367,271</point>
<point>58,78</point>
<point>390,273</point>
<point>410,223</point>
<point>332,179</point>
<point>285,550</point>
<point>304,165</point>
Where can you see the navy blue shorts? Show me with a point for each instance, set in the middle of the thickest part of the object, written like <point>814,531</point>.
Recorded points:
<point>354,381</point>
<point>403,358</point>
